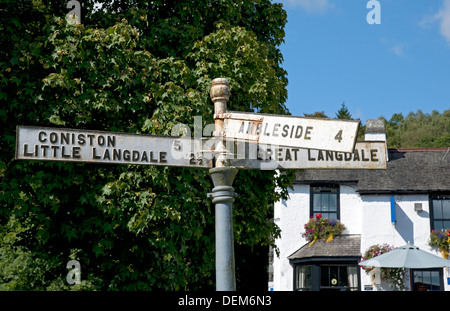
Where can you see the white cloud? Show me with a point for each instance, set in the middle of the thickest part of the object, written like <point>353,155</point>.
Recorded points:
<point>442,17</point>
<point>399,49</point>
<point>311,6</point>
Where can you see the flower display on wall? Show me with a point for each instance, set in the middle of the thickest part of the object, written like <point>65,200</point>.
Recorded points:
<point>318,228</point>
<point>441,240</point>
<point>394,276</point>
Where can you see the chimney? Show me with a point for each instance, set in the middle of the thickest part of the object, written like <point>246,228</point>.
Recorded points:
<point>375,131</point>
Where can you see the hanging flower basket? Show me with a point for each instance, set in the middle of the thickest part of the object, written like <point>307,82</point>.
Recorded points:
<point>394,276</point>
<point>441,240</point>
<point>319,228</point>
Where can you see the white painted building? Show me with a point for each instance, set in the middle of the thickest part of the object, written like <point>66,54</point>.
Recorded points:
<point>394,206</point>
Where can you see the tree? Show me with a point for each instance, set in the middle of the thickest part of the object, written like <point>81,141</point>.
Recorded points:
<point>317,114</point>
<point>343,113</point>
<point>139,67</point>
<point>419,130</point>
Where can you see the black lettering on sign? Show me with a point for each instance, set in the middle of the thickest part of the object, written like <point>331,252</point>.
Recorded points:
<point>76,152</point>
<point>250,127</point>
<point>94,154</point>
<point>65,138</point>
<point>258,128</point>
<point>241,129</point>
<point>373,155</point>
<point>265,130</point>
<point>298,132</point>
<point>364,158</point>
<point>163,159</point>
<point>42,137</point>
<point>53,138</point>
<point>308,132</point>
<point>55,149</point>
<point>81,139</point>
<point>338,136</point>
<point>44,150</point>
<point>309,156</point>
<point>275,129</point>
<point>285,131</point>
<point>63,152</point>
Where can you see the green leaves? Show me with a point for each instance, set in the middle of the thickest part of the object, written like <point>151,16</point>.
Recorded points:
<point>140,68</point>
<point>419,130</point>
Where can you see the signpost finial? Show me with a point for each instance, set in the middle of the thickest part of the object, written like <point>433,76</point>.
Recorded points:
<point>220,94</point>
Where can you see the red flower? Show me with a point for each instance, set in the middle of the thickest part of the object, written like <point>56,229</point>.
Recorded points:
<point>318,216</point>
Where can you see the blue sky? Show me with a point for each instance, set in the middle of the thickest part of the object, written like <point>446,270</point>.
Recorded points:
<point>332,55</point>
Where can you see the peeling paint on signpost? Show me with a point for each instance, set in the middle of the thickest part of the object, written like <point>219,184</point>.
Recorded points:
<point>70,145</point>
<point>366,155</point>
<point>268,141</point>
<point>297,132</point>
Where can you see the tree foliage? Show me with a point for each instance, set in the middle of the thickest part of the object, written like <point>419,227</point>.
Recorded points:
<point>138,67</point>
<point>343,113</point>
<point>419,130</point>
<point>416,130</point>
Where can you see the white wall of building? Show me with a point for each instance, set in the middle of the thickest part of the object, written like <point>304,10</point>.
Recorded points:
<point>367,215</point>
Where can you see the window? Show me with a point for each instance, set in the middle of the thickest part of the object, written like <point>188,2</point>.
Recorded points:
<point>303,278</point>
<point>343,278</point>
<point>326,277</point>
<point>325,201</point>
<point>440,212</point>
<point>427,280</point>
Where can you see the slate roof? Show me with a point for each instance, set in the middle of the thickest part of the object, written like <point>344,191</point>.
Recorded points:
<point>408,170</point>
<point>344,245</point>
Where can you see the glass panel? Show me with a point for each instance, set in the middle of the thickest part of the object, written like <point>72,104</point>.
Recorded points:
<point>352,272</point>
<point>446,208</point>
<point>334,276</point>
<point>325,202</point>
<point>418,277</point>
<point>325,276</point>
<point>438,225</point>
<point>435,280</point>
<point>427,278</point>
<point>343,277</point>
<point>333,202</point>
<point>300,277</point>
<point>303,278</point>
<point>437,209</point>
<point>308,277</point>
<point>317,201</point>
<point>446,225</point>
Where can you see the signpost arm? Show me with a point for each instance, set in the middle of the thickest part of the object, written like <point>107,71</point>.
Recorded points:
<point>223,194</point>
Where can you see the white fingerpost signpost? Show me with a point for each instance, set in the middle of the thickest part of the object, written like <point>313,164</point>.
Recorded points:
<point>297,132</point>
<point>264,142</point>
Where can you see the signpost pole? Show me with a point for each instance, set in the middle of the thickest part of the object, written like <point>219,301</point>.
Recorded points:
<point>222,176</point>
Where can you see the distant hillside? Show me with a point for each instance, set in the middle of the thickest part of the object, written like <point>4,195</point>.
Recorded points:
<point>418,130</point>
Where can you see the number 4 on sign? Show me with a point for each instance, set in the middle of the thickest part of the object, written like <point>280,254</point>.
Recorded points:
<point>338,136</point>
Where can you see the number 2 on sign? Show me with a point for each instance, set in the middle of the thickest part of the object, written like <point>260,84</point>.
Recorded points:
<point>338,136</point>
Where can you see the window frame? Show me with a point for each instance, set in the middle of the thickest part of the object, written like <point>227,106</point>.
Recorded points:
<point>433,218</point>
<point>441,277</point>
<point>336,187</point>
<point>316,265</point>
